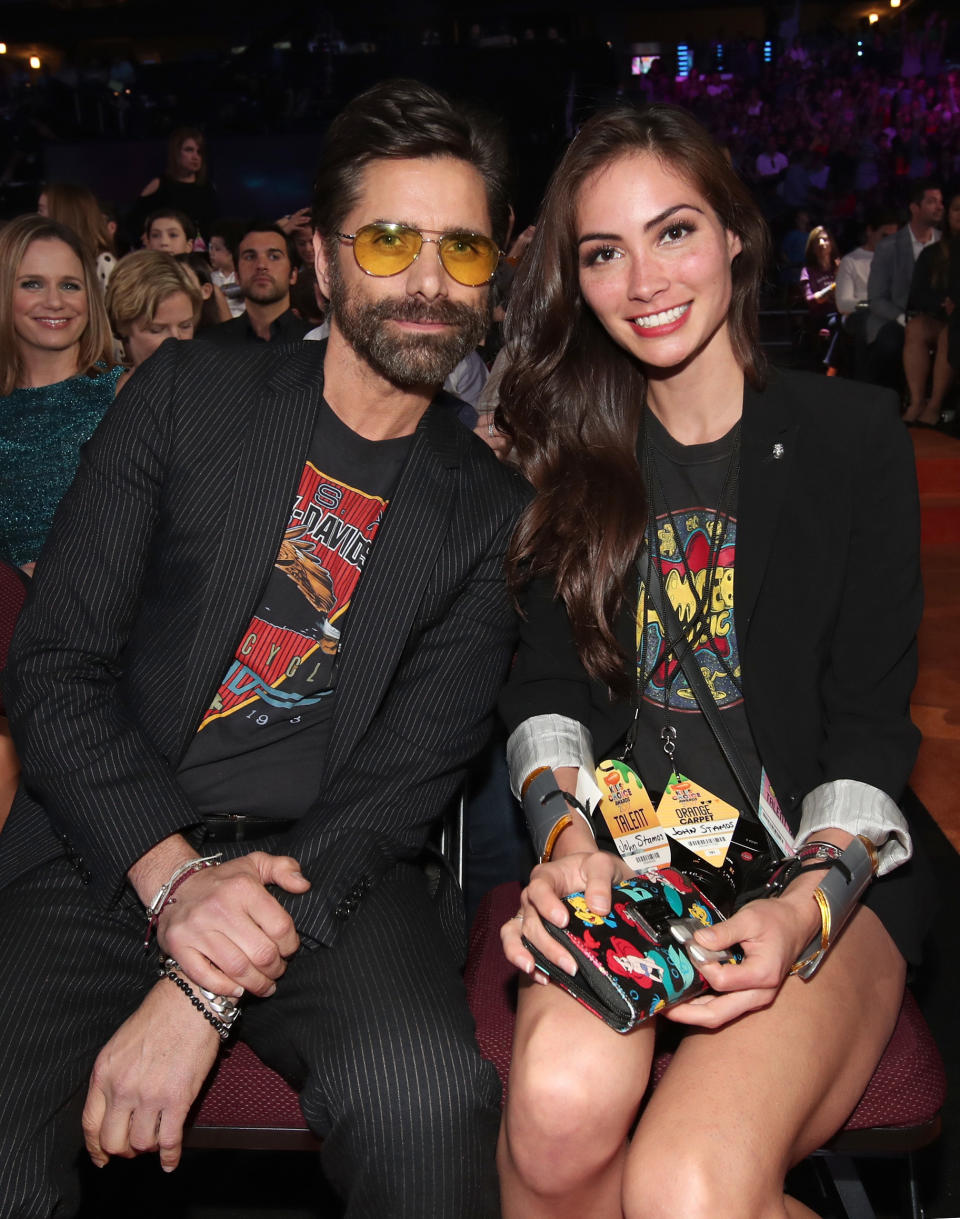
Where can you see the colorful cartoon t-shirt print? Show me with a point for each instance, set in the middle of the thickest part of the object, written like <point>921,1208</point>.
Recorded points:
<point>683,554</point>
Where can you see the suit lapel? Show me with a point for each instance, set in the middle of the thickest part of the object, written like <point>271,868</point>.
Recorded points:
<point>768,444</point>
<point>401,561</point>
<point>276,435</point>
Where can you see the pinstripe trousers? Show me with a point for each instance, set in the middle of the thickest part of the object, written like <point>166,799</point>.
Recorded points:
<point>374,1033</point>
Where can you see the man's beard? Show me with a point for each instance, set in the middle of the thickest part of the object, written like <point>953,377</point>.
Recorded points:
<point>406,360</point>
<point>265,294</point>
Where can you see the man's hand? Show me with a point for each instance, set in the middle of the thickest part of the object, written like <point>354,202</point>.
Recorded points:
<point>146,1078</point>
<point>226,931</point>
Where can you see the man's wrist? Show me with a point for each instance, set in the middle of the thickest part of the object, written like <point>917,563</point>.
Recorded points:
<point>155,867</point>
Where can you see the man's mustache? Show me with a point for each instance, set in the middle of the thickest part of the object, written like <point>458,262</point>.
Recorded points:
<point>451,313</point>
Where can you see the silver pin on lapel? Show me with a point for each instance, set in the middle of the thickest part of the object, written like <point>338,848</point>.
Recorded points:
<point>777,452</point>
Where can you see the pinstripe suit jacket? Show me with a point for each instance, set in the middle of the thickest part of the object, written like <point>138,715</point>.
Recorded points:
<point>157,558</point>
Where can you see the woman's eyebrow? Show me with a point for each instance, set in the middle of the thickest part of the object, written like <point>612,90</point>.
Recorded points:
<point>650,224</point>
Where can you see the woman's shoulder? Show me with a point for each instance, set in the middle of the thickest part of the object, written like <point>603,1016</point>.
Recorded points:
<point>829,405</point>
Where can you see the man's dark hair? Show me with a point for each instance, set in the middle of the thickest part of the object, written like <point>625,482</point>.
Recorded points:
<point>919,189</point>
<point>243,231</point>
<point>171,213</point>
<point>398,119</point>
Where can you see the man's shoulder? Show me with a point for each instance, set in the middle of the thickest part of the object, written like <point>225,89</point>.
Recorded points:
<point>216,367</point>
<point>860,254</point>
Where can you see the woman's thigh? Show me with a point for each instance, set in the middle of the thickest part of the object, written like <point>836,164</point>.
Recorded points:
<point>758,1095</point>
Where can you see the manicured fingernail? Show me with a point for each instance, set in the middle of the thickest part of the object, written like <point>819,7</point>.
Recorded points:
<point>571,968</point>
<point>271,991</point>
<point>706,936</point>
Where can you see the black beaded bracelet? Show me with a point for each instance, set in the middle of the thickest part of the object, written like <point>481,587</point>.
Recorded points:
<point>222,1030</point>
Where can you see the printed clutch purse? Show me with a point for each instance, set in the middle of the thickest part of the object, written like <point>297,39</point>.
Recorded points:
<point>640,958</point>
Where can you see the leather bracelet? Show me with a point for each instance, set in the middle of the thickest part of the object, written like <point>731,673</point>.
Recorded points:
<point>837,894</point>
<point>548,811</point>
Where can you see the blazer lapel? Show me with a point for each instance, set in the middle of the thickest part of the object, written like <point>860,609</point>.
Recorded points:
<point>274,444</point>
<point>388,596</point>
<point>768,443</point>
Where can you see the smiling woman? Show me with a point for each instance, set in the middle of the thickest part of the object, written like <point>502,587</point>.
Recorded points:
<point>57,374</point>
<point>668,628</point>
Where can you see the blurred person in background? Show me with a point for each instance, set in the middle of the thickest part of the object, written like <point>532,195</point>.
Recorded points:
<point>224,235</point>
<point>928,310</point>
<point>266,270</point>
<point>79,209</point>
<point>171,232</point>
<point>215,307</point>
<point>152,297</point>
<point>183,185</point>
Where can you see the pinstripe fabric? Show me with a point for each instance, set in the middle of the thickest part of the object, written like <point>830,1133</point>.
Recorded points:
<point>386,1063</point>
<point>71,975</point>
<point>156,560</point>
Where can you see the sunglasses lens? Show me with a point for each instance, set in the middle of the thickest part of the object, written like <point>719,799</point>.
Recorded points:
<point>469,258</point>
<point>386,249</point>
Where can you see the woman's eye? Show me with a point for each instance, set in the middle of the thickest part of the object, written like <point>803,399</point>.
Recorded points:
<point>30,283</point>
<point>602,254</point>
<point>675,232</point>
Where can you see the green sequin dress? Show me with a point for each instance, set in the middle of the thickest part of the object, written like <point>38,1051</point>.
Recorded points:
<point>41,431</point>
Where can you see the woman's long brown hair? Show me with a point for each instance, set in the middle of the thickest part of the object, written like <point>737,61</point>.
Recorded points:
<point>572,399</point>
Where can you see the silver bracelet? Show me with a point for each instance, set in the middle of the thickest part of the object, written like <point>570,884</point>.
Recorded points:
<point>165,893</point>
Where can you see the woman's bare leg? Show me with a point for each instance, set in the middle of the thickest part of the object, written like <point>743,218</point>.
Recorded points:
<point>741,1105</point>
<point>943,375</point>
<point>575,1087</point>
<point>921,335</point>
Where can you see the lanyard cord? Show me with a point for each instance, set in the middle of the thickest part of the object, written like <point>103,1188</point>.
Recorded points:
<point>698,624</point>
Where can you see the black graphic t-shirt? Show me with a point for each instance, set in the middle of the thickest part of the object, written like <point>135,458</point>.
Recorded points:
<point>260,745</point>
<point>691,479</point>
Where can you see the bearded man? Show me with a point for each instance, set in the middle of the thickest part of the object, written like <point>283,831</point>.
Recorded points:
<point>263,644</point>
<point>265,263</point>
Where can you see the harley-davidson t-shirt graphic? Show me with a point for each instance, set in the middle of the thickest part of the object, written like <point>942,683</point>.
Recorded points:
<point>261,741</point>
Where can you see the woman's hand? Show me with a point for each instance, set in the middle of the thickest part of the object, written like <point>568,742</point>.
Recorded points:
<point>593,872</point>
<point>773,932</point>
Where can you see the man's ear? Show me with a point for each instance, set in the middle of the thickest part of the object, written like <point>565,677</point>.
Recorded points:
<point>322,264</point>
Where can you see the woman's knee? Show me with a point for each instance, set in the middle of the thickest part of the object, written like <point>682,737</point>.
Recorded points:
<point>565,1121</point>
<point>694,1183</point>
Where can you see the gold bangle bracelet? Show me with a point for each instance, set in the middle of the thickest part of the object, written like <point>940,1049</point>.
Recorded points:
<point>826,922</point>
<point>552,837</point>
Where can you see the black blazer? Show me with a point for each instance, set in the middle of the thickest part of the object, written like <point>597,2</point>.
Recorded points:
<point>827,596</point>
<point>156,561</point>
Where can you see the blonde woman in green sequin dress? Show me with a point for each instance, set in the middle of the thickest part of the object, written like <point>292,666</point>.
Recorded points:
<point>58,375</point>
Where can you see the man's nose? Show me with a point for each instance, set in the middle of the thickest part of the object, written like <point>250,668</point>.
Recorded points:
<point>426,276</point>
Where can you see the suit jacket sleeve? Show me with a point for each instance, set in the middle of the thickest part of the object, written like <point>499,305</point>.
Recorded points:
<point>106,789</point>
<point>880,285</point>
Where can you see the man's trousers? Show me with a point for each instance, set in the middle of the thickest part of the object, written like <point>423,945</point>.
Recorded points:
<point>373,1032</point>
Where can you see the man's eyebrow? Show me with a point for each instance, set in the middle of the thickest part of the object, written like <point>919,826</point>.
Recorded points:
<point>650,224</point>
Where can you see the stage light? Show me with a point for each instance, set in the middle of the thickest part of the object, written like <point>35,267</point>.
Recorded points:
<point>3,48</point>
<point>684,60</point>
<point>768,51</point>
<point>35,62</point>
<point>894,3</point>
<point>873,18</point>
